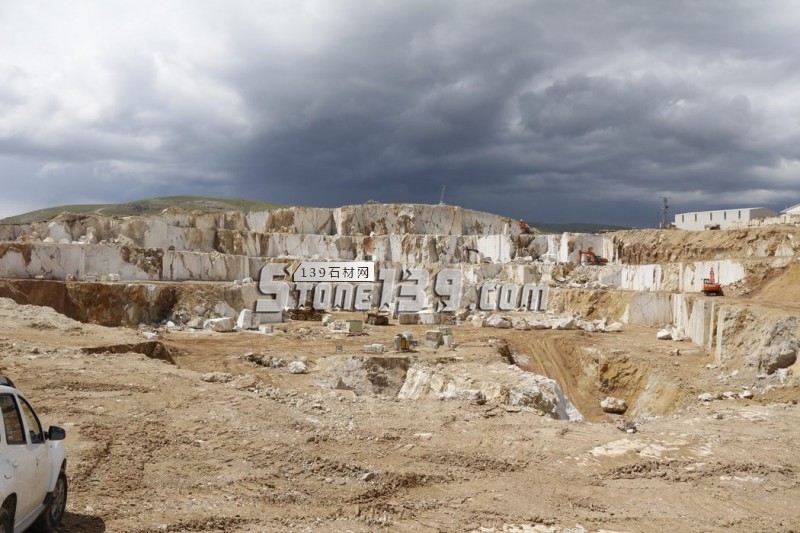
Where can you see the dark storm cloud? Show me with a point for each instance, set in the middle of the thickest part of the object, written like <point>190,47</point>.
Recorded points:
<point>546,110</point>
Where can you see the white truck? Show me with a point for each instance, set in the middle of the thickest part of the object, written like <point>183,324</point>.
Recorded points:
<point>33,479</point>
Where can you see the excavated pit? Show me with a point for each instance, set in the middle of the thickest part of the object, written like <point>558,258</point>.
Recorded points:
<point>367,374</point>
<point>584,376</point>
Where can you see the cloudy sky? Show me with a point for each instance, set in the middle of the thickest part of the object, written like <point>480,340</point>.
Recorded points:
<point>553,111</point>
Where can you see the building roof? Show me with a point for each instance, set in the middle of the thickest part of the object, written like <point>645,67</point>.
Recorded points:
<point>729,209</point>
<point>794,207</point>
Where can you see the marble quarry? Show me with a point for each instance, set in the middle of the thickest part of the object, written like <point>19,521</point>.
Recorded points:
<point>502,267</point>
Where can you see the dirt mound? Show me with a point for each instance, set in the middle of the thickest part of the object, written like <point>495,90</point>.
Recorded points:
<point>34,316</point>
<point>783,285</point>
<point>668,246</point>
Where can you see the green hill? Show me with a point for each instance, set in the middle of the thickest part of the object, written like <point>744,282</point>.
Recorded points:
<point>148,206</point>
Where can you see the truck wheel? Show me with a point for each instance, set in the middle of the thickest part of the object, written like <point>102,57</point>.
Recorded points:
<point>54,513</point>
<point>5,522</point>
<point>317,316</point>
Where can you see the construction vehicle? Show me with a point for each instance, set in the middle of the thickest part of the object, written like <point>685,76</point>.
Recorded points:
<point>305,313</point>
<point>376,318</point>
<point>710,285</point>
<point>594,259</point>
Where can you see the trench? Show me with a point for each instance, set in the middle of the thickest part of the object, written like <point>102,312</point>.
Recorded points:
<point>152,349</point>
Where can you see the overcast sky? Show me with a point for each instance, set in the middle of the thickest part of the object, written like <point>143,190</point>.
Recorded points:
<point>552,111</point>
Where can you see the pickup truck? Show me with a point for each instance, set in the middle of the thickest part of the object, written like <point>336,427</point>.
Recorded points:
<point>33,479</point>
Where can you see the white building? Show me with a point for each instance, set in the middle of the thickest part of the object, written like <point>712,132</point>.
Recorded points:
<point>794,210</point>
<point>727,218</point>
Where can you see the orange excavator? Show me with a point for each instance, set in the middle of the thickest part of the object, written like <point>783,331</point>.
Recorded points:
<point>710,286</point>
<point>594,259</point>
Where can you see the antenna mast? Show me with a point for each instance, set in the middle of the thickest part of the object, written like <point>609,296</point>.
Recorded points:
<point>441,198</point>
<point>665,213</point>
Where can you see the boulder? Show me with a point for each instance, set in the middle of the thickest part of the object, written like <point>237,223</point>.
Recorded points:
<point>224,309</point>
<point>664,335</point>
<point>613,405</point>
<point>614,327</point>
<point>535,323</point>
<point>520,323</point>
<point>496,321</point>
<point>195,323</point>
<point>428,318</point>
<point>564,323</point>
<point>217,377</point>
<point>407,319</point>
<point>778,347</point>
<point>297,367</point>
<point>778,356</point>
<point>245,319</point>
<point>374,348</point>
<point>220,324</point>
<point>433,339</point>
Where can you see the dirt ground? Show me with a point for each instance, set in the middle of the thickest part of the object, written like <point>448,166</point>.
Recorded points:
<point>153,447</point>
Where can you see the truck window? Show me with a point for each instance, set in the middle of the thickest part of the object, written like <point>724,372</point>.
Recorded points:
<point>12,420</point>
<point>32,422</point>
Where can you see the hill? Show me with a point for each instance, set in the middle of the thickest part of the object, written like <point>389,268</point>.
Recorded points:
<point>575,227</point>
<point>147,206</point>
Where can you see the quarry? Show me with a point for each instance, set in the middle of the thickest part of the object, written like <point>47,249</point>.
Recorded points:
<point>523,382</point>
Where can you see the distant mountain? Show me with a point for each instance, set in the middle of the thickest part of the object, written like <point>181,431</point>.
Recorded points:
<point>148,206</point>
<point>576,227</point>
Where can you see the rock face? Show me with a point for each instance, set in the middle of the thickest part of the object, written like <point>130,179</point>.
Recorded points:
<point>765,344</point>
<point>613,405</point>
<point>779,348</point>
